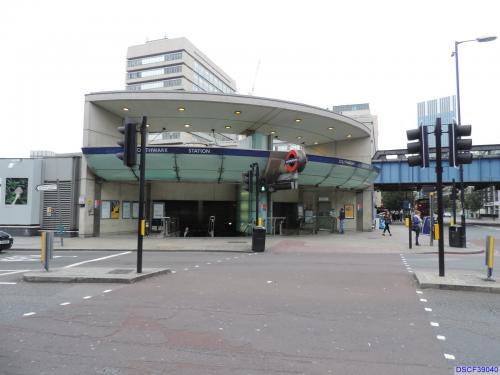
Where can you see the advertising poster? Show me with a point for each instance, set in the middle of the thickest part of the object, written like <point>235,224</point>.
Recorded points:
<point>115,209</point>
<point>126,210</point>
<point>158,210</point>
<point>16,191</point>
<point>135,210</point>
<point>105,209</point>
<point>349,211</point>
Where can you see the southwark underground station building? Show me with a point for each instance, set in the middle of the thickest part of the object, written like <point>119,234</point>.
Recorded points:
<point>202,137</point>
<point>194,184</point>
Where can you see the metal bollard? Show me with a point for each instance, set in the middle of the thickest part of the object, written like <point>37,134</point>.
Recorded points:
<point>47,249</point>
<point>489,253</point>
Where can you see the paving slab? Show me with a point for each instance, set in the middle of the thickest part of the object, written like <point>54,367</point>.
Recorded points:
<point>457,280</point>
<point>93,275</point>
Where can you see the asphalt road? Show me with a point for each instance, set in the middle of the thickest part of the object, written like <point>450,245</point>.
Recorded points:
<point>230,313</point>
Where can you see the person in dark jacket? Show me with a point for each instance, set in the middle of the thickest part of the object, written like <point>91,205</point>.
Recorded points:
<point>416,224</point>
<point>387,221</point>
<point>341,221</point>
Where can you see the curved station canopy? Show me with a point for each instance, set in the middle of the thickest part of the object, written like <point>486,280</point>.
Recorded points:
<point>172,111</point>
<point>224,165</point>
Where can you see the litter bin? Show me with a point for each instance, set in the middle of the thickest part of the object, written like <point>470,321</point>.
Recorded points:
<point>456,236</point>
<point>259,239</point>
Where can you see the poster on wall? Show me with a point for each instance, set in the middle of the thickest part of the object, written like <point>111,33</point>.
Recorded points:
<point>126,210</point>
<point>158,210</point>
<point>115,209</point>
<point>105,209</point>
<point>16,191</point>
<point>349,211</point>
<point>135,210</point>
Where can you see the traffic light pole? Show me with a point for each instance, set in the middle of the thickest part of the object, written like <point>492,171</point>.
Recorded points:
<point>439,188</point>
<point>257,188</point>
<point>142,220</point>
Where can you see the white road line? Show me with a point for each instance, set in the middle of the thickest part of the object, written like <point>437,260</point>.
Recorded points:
<point>419,292</point>
<point>449,356</point>
<point>186,269</point>
<point>174,271</point>
<point>7,283</point>
<point>428,309</point>
<point>423,300</point>
<point>13,272</point>
<point>209,263</point>
<point>29,314</point>
<point>440,337</point>
<point>197,266</point>
<point>87,297</point>
<point>65,304</point>
<point>108,290</point>
<point>96,260</point>
<point>434,324</point>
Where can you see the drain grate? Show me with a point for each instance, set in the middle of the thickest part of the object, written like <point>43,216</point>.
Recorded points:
<point>120,271</point>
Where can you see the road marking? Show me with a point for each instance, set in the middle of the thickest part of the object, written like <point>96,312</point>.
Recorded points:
<point>269,281</point>
<point>449,356</point>
<point>21,258</point>
<point>186,269</point>
<point>484,226</point>
<point>419,292</point>
<point>174,271</point>
<point>29,314</point>
<point>197,266</point>
<point>7,283</point>
<point>108,290</point>
<point>440,337</point>
<point>87,297</point>
<point>12,272</point>
<point>423,300</point>
<point>410,271</point>
<point>209,263</point>
<point>434,324</point>
<point>65,304</point>
<point>96,260</point>
<point>428,309</point>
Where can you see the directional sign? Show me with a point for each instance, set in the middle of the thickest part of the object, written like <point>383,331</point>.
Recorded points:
<point>46,187</point>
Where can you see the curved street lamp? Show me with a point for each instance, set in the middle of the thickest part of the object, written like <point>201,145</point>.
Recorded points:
<point>455,54</point>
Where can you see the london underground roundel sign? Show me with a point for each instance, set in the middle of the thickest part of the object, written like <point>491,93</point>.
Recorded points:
<point>295,161</point>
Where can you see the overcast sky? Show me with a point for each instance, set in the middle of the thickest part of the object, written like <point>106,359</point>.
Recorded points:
<point>391,54</point>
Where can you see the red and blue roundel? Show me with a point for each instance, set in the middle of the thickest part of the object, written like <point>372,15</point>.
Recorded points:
<point>295,162</point>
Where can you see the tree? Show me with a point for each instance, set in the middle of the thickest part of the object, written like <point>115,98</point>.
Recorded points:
<point>393,200</point>
<point>473,201</point>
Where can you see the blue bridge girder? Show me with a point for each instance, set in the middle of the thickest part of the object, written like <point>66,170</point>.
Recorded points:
<point>395,174</point>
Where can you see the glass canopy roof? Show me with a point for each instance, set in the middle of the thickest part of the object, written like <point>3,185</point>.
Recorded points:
<point>223,165</point>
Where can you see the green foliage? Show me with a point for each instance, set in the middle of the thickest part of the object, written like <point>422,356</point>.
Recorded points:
<point>393,200</point>
<point>473,201</point>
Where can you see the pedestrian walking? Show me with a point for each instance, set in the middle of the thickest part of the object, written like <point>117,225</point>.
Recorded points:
<point>341,221</point>
<point>387,221</point>
<point>416,224</point>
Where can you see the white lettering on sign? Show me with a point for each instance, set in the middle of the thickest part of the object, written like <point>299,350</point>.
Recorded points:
<point>199,151</point>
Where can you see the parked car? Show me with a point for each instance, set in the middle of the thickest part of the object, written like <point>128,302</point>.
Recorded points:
<point>447,214</point>
<point>6,241</point>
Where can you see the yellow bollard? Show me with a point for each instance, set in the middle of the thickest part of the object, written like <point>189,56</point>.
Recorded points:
<point>143,227</point>
<point>407,222</point>
<point>452,222</point>
<point>42,255</point>
<point>436,232</point>
<point>259,222</point>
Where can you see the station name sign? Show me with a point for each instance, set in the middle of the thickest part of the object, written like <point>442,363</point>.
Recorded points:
<point>175,150</point>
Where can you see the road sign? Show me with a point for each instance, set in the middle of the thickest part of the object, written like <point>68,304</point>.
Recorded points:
<point>46,187</point>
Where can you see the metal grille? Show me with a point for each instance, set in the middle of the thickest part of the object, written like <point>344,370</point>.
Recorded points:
<point>51,220</point>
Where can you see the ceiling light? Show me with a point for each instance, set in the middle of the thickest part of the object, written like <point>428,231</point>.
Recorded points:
<point>349,135</point>
<point>181,109</point>
<point>298,120</point>
<point>187,125</point>
<point>125,109</point>
<point>237,113</point>
<point>147,125</point>
<point>228,126</point>
<point>273,132</point>
<point>315,143</point>
<point>299,137</point>
<point>330,128</point>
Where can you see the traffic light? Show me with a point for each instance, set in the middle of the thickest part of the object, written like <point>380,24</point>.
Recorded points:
<point>284,185</point>
<point>459,149</point>
<point>262,185</point>
<point>128,143</point>
<point>247,181</point>
<point>421,147</point>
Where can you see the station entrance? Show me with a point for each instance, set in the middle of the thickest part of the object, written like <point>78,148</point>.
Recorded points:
<point>194,218</point>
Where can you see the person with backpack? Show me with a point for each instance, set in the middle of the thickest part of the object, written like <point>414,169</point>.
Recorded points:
<point>387,221</point>
<point>416,224</point>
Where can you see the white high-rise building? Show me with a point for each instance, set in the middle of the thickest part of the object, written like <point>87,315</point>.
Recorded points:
<point>174,64</point>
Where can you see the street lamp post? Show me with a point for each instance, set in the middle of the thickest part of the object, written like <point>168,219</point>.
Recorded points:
<point>462,193</point>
